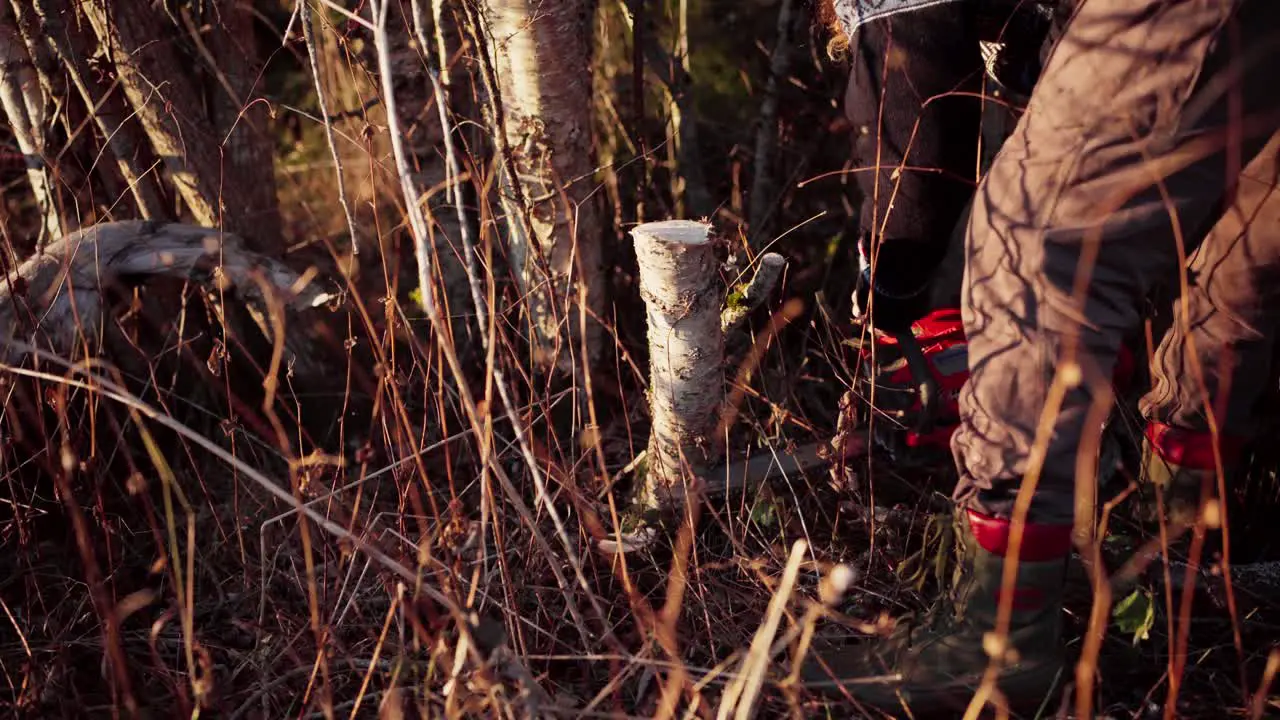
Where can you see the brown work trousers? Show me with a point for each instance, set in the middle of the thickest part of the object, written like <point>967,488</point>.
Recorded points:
<point>1148,150</point>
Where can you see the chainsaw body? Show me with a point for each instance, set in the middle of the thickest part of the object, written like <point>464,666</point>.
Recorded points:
<point>911,384</point>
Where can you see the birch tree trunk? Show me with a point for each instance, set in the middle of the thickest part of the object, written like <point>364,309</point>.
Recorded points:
<point>542,56</point>
<point>411,44</point>
<point>683,294</point>
<point>23,100</point>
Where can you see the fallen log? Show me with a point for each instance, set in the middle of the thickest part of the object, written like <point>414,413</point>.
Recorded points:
<point>774,464</point>
<point>57,295</point>
<point>747,475</point>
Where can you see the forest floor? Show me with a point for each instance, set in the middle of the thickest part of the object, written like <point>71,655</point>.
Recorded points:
<point>138,568</point>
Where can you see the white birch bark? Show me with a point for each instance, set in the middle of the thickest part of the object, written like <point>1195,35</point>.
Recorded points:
<point>542,56</point>
<point>682,293</point>
<point>24,105</point>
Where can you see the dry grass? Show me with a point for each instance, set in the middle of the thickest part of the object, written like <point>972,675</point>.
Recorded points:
<point>362,539</point>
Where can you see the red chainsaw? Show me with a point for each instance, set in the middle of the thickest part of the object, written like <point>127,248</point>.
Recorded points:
<point>911,382</point>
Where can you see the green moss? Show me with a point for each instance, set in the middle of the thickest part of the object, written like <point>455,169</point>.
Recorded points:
<point>737,298</point>
<point>631,519</point>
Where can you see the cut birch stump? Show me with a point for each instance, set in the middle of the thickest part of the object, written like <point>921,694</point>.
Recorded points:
<point>683,296</point>
<point>682,292</point>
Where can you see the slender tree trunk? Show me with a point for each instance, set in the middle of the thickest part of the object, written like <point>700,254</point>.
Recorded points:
<point>542,54</point>
<point>172,110</point>
<point>99,189</point>
<point>679,82</point>
<point>71,44</point>
<point>242,124</point>
<point>683,294</point>
<point>413,40</point>
<point>763,183</point>
<point>23,100</point>
<point>42,57</point>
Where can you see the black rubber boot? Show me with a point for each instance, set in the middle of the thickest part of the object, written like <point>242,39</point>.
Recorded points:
<point>934,666</point>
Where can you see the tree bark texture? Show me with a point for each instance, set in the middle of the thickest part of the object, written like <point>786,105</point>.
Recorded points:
<point>242,125</point>
<point>71,45</point>
<point>682,292</point>
<point>23,100</point>
<point>763,183</point>
<point>542,53</point>
<point>181,130</point>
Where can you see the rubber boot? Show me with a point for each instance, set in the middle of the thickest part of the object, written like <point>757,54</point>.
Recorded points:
<point>934,666</point>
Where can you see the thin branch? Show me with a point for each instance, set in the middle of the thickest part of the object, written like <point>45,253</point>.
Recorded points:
<point>743,300</point>
<point>22,98</point>
<point>309,36</point>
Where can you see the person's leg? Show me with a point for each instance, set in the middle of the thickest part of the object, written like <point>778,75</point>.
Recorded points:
<point>1026,36</point>
<point>1216,357</point>
<point>901,101</point>
<point>1132,143</point>
<point>1073,224</point>
<point>1070,227</point>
